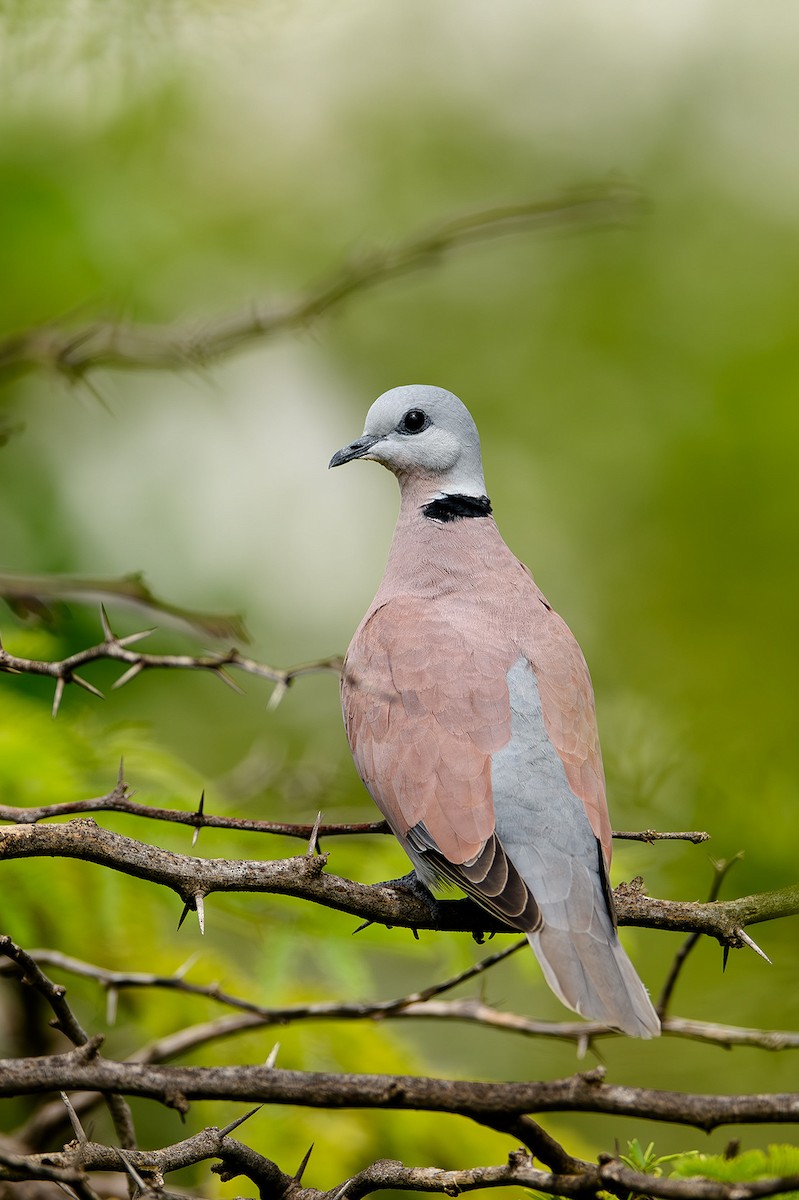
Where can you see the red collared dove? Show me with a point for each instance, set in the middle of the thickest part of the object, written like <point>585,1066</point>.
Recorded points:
<point>470,715</point>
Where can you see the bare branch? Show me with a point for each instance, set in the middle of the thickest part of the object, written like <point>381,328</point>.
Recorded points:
<point>82,1069</point>
<point>27,594</point>
<point>305,878</point>
<point>651,835</point>
<point>578,1179</point>
<point>119,800</point>
<point>129,347</point>
<point>118,650</point>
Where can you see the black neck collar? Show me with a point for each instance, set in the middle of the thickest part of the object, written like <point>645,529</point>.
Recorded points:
<point>455,508</point>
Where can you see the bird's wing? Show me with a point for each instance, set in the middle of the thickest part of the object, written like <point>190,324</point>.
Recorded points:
<point>425,707</point>
<point>569,716</point>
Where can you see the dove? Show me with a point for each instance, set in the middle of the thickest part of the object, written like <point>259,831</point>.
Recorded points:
<point>469,711</point>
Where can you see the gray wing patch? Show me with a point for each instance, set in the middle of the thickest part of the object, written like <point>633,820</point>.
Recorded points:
<point>546,835</point>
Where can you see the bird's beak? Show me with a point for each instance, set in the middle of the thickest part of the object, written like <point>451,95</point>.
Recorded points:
<point>357,449</point>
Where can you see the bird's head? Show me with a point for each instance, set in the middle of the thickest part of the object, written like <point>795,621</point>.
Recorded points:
<point>424,434</point>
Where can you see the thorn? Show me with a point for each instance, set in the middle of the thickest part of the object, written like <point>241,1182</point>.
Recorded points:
<point>187,908</point>
<point>339,1195</point>
<point>199,904</point>
<point>130,639</point>
<point>301,1168</point>
<point>108,632</point>
<point>121,774</point>
<point>725,956</point>
<point>131,1170</point>
<point>313,841</point>
<point>199,813</point>
<point>271,1057</point>
<point>59,692</point>
<point>126,676</point>
<point>229,680</point>
<point>74,1120</point>
<point>240,1121</point>
<point>364,925</point>
<point>415,933</point>
<point>752,945</point>
<point>281,687</point>
<point>88,687</point>
<point>112,998</point>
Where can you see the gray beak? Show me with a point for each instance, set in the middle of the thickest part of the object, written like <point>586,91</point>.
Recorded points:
<point>354,450</point>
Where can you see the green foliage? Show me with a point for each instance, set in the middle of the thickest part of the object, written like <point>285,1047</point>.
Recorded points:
<point>647,1160</point>
<point>774,1161</point>
<point>635,392</point>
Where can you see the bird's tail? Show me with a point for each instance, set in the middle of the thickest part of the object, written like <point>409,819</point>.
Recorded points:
<point>595,978</point>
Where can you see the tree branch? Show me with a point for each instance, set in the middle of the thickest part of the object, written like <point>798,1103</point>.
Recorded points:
<point>83,1069</point>
<point>304,877</point>
<point>420,1005</point>
<point>119,800</point>
<point>26,594</point>
<point>75,353</point>
<point>581,1179</point>
<point>114,649</point>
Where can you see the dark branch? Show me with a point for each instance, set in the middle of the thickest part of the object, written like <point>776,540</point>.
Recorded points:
<point>82,1069</point>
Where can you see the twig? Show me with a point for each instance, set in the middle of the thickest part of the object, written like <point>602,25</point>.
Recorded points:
<point>130,347</point>
<point>114,649</point>
<point>119,800</point>
<point>420,1005</point>
<point>651,835</point>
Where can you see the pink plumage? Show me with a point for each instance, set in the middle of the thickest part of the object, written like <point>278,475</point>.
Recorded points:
<point>470,714</point>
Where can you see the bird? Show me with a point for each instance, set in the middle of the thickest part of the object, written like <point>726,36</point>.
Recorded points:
<point>469,711</point>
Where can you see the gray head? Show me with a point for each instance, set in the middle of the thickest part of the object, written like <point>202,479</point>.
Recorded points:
<point>422,432</point>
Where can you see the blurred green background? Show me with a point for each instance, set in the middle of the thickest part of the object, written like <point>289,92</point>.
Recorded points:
<point>636,392</point>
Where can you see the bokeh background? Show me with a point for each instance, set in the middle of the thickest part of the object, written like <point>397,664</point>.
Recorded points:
<point>636,392</point>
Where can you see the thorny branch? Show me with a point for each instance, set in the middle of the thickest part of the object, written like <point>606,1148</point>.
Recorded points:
<point>116,649</point>
<point>84,1069</point>
<point>119,800</point>
<point>585,1179</point>
<point>304,877</point>
<point>74,353</point>
<point>420,1005</point>
<point>73,1164</point>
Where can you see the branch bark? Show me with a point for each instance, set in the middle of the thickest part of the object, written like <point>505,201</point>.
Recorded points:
<point>304,877</point>
<point>83,1069</point>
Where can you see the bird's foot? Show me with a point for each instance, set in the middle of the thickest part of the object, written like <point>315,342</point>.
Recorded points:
<point>412,883</point>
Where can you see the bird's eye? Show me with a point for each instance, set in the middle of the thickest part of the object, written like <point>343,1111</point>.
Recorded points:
<point>414,421</point>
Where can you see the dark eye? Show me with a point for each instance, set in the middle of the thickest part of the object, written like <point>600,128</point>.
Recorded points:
<point>414,421</point>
